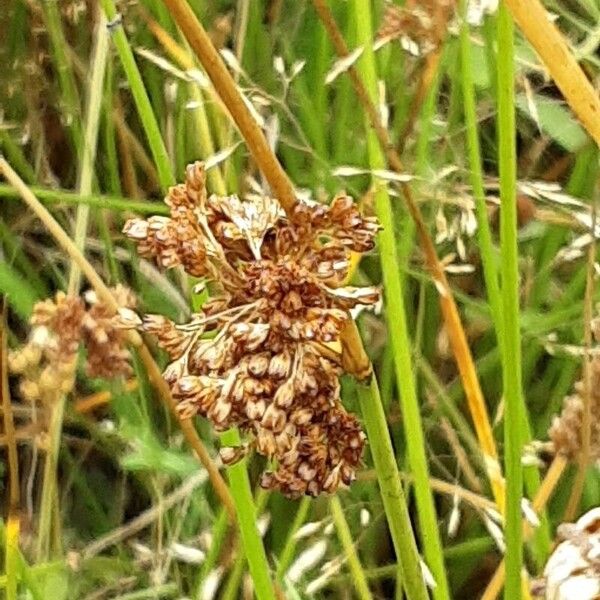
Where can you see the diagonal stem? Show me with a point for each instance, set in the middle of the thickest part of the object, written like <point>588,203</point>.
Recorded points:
<point>135,339</point>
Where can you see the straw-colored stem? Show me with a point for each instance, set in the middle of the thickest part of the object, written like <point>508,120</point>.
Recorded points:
<point>457,336</point>
<point>106,296</point>
<point>544,36</point>
<point>282,187</point>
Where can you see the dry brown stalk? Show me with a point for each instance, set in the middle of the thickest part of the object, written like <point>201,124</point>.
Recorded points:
<point>104,293</point>
<point>544,36</point>
<point>458,339</point>
<point>89,403</point>
<point>266,160</point>
<point>233,100</point>
<point>544,493</point>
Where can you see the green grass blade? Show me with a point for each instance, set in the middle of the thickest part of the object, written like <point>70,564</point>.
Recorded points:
<point>142,102</point>
<point>511,356</point>
<point>398,331</point>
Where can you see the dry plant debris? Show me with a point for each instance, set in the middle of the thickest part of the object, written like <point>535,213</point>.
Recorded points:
<point>258,356</point>
<point>47,363</point>
<point>573,569</point>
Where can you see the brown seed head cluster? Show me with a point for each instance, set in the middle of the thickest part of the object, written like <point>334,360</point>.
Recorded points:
<point>566,429</point>
<point>424,23</point>
<point>48,361</point>
<point>257,356</point>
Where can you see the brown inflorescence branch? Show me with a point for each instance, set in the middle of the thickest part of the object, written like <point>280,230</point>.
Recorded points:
<point>256,356</point>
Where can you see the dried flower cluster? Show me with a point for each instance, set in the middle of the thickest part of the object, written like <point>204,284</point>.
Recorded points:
<point>420,26</point>
<point>566,429</point>
<point>573,569</point>
<point>48,361</point>
<point>257,356</point>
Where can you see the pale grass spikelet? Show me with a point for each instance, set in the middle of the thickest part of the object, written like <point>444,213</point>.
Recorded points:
<point>253,357</point>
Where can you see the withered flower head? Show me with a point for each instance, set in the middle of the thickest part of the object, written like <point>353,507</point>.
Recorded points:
<point>566,429</point>
<point>254,356</point>
<point>60,326</point>
<point>420,26</point>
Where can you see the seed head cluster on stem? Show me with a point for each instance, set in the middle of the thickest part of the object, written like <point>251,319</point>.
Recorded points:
<point>47,363</point>
<point>259,355</point>
<point>566,429</point>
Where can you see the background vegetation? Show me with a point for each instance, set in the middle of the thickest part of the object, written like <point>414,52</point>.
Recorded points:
<point>124,511</point>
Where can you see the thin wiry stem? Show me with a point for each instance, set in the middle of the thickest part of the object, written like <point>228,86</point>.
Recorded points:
<point>586,422</point>
<point>140,97</point>
<point>398,329</point>
<point>345,537</point>
<point>104,293</point>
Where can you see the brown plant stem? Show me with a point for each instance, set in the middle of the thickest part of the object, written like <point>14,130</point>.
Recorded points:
<point>458,339</point>
<point>233,100</point>
<point>549,43</point>
<point>544,493</point>
<point>359,363</point>
<point>154,373</point>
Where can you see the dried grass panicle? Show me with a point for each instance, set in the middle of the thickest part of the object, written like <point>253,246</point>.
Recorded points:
<point>254,356</point>
<point>47,363</point>
<point>566,428</point>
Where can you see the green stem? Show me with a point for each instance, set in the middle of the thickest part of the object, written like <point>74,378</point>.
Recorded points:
<point>345,537</point>
<point>254,549</point>
<point>398,330</point>
<point>99,201</point>
<point>484,234</point>
<point>70,100</point>
<point>285,558</point>
<point>511,363</point>
<point>394,500</point>
<point>140,97</point>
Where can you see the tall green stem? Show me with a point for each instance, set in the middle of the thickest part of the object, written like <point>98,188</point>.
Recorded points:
<point>511,363</point>
<point>390,486</point>
<point>398,329</point>
<point>345,537</point>
<point>256,556</point>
